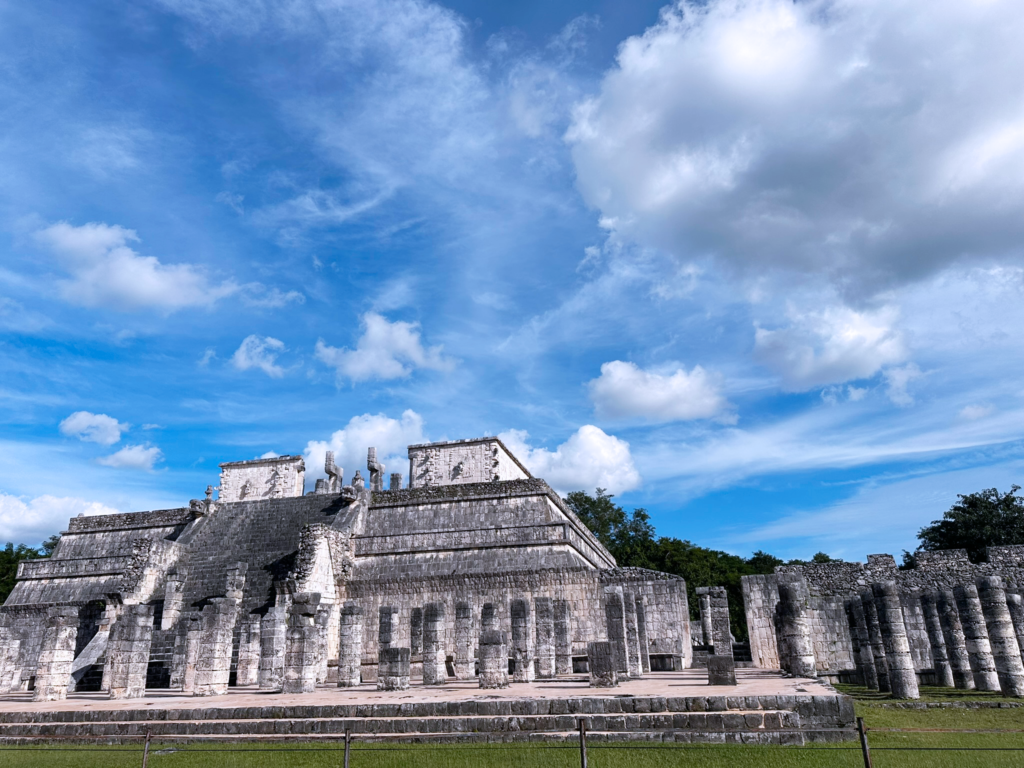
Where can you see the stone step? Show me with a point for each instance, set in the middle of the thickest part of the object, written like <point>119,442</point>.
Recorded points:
<point>717,722</point>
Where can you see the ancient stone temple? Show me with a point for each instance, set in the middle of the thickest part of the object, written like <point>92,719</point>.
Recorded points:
<point>268,583</point>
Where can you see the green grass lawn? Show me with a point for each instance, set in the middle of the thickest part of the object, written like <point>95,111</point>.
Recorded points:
<point>932,722</point>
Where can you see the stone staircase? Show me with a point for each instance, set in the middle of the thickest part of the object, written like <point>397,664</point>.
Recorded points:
<point>712,719</point>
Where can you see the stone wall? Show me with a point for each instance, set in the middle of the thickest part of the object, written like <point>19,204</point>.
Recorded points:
<point>276,478</point>
<point>831,583</point>
<point>483,460</point>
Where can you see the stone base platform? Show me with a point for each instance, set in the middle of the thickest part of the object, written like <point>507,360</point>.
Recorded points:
<point>764,708</point>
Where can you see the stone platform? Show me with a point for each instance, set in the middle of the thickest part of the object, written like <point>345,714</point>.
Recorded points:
<point>764,708</point>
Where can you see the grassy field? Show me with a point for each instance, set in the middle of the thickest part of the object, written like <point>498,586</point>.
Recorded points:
<point>995,729</point>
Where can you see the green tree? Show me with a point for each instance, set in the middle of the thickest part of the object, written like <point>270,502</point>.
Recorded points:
<point>50,545</point>
<point>10,556</point>
<point>987,518</point>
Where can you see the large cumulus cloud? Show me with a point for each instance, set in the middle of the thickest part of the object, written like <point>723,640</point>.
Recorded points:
<point>867,141</point>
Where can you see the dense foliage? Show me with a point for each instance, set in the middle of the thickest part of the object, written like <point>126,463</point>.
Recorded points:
<point>631,539</point>
<point>987,518</point>
<point>10,556</point>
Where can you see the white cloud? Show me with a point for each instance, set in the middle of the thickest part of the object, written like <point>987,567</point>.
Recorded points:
<point>589,459</point>
<point>259,352</point>
<point>30,522</point>
<point>93,427</point>
<point>831,346</point>
<point>897,379</point>
<point>974,412</point>
<point>106,272</point>
<point>624,391</point>
<point>391,438</point>
<point>385,351</point>
<point>825,137</point>
<point>133,457</point>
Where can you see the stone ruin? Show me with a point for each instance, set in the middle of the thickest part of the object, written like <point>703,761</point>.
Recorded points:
<point>476,569</point>
<point>946,622</point>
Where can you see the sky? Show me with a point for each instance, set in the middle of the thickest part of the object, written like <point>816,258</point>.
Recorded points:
<point>756,266</point>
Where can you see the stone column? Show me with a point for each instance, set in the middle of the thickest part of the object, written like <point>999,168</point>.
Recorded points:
<point>1005,650</point>
<point>714,602</point>
<point>465,661</point>
<point>953,635</point>
<point>615,618</point>
<point>796,649</point>
<point>193,633</point>
<point>522,653</point>
<point>979,649</point>
<point>641,632</point>
<point>396,481</point>
<point>434,672</point>
<point>493,659</point>
<point>940,658</point>
<point>322,621</point>
<point>1015,605</point>
<point>545,611</point>
<point>53,673</point>
<point>247,670</point>
<point>213,667</point>
<point>416,632</point>
<point>867,655</point>
<point>387,630</point>
<point>489,618</point>
<point>302,652</point>
<point>601,662</point>
<point>632,635</point>
<point>867,601</point>
<point>902,678</point>
<point>393,669</point>
<point>563,638</point>
<point>10,648</point>
<point>350,647</point>
<point>273,641</point>
<point>704,601</point>
<point>174,599</point>
<point>128,648</point>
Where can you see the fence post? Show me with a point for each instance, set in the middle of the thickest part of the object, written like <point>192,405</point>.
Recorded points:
<point>348,740</point>
<point>583,742</point>
<point>864,742</point>
<point>145,750</point>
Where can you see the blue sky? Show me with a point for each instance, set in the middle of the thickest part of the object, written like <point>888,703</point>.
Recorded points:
<point>751,264</point>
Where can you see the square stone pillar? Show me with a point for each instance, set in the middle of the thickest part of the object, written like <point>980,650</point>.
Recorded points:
<point>53,673</point>
<point>615,620</point>
<point>632,635</point>
<point>714,616</point>
<point>322,622</point>
<point>563,638</point>
<point>247,670</point>
<point>213,667</point>
<point>416,633</point>
<point>641,632</point>
<point>545,612</point>
<point>393,669</point>
<point>302,651</point>
<point>191,632</point>
<point>493,657</point>
<point>522,650</point>
<point>174,600</point>
<point>387,628</point>
<point>273,642</point>
<point>704,604</point>
<point>434,655</point>
<point>859,626</point>
<point>128,647</point>
<point>350,651</point>
<point>465,648</point>
<point>601,662</point>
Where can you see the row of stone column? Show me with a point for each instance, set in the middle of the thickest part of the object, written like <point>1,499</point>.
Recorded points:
<point>975,641</point>
<point>625,655</point>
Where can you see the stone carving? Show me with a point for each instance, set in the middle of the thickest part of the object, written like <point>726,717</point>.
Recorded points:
<point>465,648</point>
<point>303,645</point>
<point>615,618</point>
<point>128,649</point>
<point>601,662</point>
<point>393,669</point>
<point>351,646</point>
<point>545,623</point>
<point>434,655</point>
<point>273,642</point>
<point>334,474</point>
<point>563,638</point>
<point>522,647</point>
<point>53,674</point>
<point>247,671</point>
<point>796,650</point>
<point>376,470</point>
<point>493,658</point>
